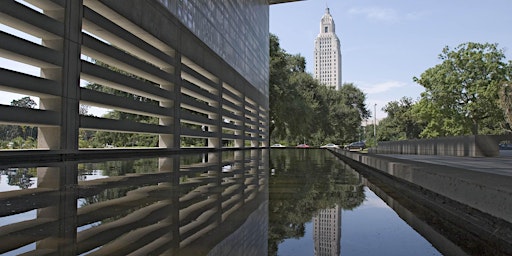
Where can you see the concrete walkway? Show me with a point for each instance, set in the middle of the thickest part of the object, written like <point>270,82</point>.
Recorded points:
<point>483,183</point>
<point>501,165</point>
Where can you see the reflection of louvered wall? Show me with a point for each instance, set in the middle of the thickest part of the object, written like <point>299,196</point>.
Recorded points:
<point>144,212</point>
<point>145,52</point>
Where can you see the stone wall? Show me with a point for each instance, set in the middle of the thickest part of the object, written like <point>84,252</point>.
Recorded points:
<point>487,192</point>
<point>472,146</point>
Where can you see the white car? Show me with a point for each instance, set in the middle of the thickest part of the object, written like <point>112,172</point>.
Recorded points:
<point>330,145</point>
<point>277,146</point>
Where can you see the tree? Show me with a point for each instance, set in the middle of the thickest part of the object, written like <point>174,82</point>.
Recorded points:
<point>102,138</point>
<point>284,95</point>
<point>461,93</point>
<point>25,102</point>
<point>401,122</point>
<point>10,132</point>
<point>302,109</point>
<point>506,103</point>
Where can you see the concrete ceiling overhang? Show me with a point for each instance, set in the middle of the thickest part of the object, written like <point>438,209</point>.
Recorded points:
<point>282,1</point>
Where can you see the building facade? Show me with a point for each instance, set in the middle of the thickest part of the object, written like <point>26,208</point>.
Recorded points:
<point>327,53</point>
<point>327,232</point>
<point>200,66</point>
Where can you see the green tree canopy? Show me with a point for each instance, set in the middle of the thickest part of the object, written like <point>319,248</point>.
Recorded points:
<point>461,93</point>
<point>302,109</point>
<point>506,102</point>
<point>25,102</point>
<point>401,122</point>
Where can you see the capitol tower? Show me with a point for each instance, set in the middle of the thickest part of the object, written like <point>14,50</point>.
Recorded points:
<point>327,53</point>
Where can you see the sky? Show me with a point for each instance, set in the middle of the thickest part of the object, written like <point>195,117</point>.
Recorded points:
<point>385,43</point>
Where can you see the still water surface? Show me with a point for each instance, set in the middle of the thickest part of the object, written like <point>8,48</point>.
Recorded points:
<point>251,203</point>
<point>321,206</point>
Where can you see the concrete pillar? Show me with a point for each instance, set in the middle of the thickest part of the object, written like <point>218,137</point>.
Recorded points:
<point>167,140</point>
<point>239,143</point>
<point>65,136</point>
<point>216,170</point>
<point>216,142</point>
<point>172,139</point>
<point>63,179</point>
<point>172,164</point>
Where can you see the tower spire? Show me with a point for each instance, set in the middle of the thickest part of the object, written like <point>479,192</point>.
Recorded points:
<point>328,53</point>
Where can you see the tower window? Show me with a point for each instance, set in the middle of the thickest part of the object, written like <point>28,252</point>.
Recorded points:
<point>325,29</point>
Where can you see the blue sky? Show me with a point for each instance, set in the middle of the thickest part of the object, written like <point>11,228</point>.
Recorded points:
<point>384,44</point>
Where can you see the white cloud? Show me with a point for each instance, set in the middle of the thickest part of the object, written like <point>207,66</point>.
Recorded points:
<point>383,14</point>
<point>376,13</point>
<point>382,87</point>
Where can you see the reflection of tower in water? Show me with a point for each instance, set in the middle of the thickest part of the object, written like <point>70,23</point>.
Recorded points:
<point>327,232</point>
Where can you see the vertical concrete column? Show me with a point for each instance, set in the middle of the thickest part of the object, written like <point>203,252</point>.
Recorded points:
<point>239,143</point>
<point>172,164</point>
<point>216,170</point>
<point>63,179</point>
<point>172,139</point>
<point>216,142</point>
<point>64,137</point>
<point>258,143</point>
<point>240,157</point>
<point>266,142</point>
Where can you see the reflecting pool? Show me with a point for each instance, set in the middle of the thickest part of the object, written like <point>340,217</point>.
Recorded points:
<point>229,203</point>
<point>204,204</point>
<point>319,205</point>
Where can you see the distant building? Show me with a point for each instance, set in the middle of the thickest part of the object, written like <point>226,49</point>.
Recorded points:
<point>327,232</point>
<point>327,53</point>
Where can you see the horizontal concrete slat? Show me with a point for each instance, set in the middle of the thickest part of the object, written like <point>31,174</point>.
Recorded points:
<point>231,106</point>
<point>24,51</point>
<point>231,126</point>
<point>113,56</point>
<point>29,21</point>
<point>231,116</point>
<point>23,233</point>
<point>196,92</point>
<point>231,136</point>
<point>188,117</point>
<point>231,96</point>
<point>196,75</point>
<point>197,106</point>
<point>250,122</point>
<point>17,82</point>
<point>28,116</point>
<point>189,132</point>
<point>105,100</point>
<point>104,76</point>
<point>104,124</point>
<point>108,30</point>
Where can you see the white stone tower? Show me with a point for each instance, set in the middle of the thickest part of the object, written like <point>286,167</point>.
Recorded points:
<point>327,232</point>
<point>327,53</point>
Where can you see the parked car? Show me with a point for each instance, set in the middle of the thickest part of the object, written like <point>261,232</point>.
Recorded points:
<point>505,146</point>
<point>330,145</point>
<point>302,146</point>
<point>277,146</point>
<point>359,145</point>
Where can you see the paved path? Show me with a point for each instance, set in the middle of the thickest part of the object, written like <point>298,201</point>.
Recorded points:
<point>501,165</point>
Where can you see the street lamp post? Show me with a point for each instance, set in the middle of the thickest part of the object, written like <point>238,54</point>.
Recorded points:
<point>375,122</point>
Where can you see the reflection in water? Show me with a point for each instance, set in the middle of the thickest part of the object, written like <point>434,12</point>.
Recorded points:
<point>226,203</point>
<point>17,178</point>
<point>179,205</point>
<point>305,183</point>
<point>379,214</point>
<point>327,232</point>
<point>319,190</point>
